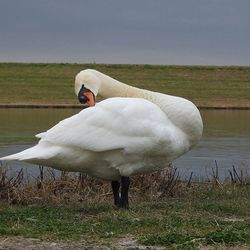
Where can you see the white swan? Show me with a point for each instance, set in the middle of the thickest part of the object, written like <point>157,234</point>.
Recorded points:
<point>133,131</point>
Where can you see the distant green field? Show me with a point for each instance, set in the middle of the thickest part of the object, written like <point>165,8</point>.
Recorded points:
<point>53,83</point>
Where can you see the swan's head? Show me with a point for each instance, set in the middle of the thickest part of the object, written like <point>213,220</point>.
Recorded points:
<point>87,85</point>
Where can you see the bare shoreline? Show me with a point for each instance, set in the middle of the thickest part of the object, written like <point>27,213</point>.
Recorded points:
<point>79,106</point>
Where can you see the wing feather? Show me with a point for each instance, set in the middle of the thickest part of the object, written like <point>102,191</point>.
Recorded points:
<point>131,124</point>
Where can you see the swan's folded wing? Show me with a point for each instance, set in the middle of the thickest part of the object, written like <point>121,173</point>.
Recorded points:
<point>116,123</point>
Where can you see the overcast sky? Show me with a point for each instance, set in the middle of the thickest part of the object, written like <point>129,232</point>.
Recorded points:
<point>207,32</point>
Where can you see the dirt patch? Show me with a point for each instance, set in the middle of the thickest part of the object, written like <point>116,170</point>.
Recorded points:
<point>127,243</point>
<point>17,243</point>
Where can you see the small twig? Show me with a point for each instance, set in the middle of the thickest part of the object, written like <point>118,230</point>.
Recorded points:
<point>216,174</point>
<point>190,179</point>
<point>236,174</point>
<point>231,176</point>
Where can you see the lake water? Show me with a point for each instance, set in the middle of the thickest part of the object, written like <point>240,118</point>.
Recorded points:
<point>226,140</point>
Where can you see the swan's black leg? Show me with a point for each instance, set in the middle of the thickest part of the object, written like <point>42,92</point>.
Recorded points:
<point>115,188</point>
<point>124,192</point>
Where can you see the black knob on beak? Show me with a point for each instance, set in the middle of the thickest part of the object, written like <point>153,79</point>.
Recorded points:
<point>81,97</point>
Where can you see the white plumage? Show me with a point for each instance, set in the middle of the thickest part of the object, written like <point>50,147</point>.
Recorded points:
<point>133,131</point>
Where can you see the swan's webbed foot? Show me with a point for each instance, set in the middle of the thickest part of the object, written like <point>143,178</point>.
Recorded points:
<point>121,201</point>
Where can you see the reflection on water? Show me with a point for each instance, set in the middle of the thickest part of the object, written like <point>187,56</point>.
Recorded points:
<point>226,123</point>
<point>226,139</point>
<point>19,126</point>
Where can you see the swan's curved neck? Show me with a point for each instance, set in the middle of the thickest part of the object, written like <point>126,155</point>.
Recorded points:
<point>112,88</point>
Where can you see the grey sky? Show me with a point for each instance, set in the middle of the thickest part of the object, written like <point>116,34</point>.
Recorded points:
<point>215,32</point>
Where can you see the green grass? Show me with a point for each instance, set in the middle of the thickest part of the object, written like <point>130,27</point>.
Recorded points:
<point>203,216</point>
<point>53,83</point>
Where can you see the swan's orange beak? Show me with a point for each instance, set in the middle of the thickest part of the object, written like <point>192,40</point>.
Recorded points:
<point>85,96</point>
<point>90,99</point>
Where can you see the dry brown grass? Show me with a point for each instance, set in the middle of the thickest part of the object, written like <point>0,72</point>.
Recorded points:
<point>62,188</point>
<point>68,188</point>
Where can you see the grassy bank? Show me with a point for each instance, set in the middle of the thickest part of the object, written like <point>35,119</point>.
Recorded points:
<point>53,83</point>
<point>212,217</point>
<point>164,212</point>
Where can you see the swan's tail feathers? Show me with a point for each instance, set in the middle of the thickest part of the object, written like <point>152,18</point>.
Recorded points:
<point>33,154</point>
